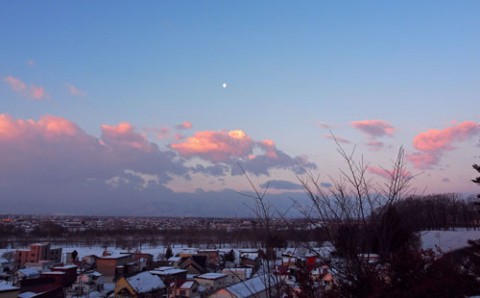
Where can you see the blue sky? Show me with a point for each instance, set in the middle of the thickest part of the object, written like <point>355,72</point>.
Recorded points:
<point>374,72</point>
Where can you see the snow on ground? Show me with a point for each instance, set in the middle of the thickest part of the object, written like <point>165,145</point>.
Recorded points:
<point>447,240</point>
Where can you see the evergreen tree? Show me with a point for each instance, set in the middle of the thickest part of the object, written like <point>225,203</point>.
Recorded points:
<point>168,253</point>
<point>477,181</point>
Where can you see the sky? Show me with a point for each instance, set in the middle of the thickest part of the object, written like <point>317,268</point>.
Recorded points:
<point>159,107</point>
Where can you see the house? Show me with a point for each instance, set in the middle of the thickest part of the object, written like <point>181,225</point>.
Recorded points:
<point>250,259</point>
<point>192,266</point>
<point>47,285</point>
<point>8,291</point>
<point>236,275</point>
<point>175,261</point>
<point>70,272</point>
<point>188,289</point>
<point>212,281</point>
<point>142,285</point>
<point>38,252</point>
<point>172,277</point>
<point>213,257</point>
<point>87,284</point>
<point>113,266</point>
<point>27,273</point>
<point>264,286</point>
<point>143,261</point>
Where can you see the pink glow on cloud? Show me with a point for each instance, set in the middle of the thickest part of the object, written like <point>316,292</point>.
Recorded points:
<point>124,134</point>
<point>338,138</point>
<point>57,126</point>
<point>385,172</point>
<point>74,91</point>
<point>375,145</point>
<point>216,145</point>
<point>435,139</point>
<point>38,92</point>
<point>48,127</point>
<point>374,128</point>
<point>184,125</point>
<point>324,125</point>
<point>163,133</point>
<point>270,149</point>
<point>16,84</point>
<point>20,87</point>
<point>433,143</point>
<point>423,160</point>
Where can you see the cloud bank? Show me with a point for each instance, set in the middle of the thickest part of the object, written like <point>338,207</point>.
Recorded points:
<point>52,163</point>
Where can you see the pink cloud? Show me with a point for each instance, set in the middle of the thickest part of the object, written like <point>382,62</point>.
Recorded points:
<point>438,140</point>
<point>184,125</point>
<point>324,125</point>
<point>125,135</point>
<point>386,173</point>
<point>216,145</point>
<point>230,148</point>
<point>339,139</point>
<point>55,158</point>
<point>375,145</point>
<point>374,128</point>
<point>48,127</point>
<point>74,91</point>
<point>269,147</point>
<point>433,143</point>
<point>38,92</point>
<point>163,133</point>
<point>423,160</point>
<point>16,84</point>
<point>33,91</point>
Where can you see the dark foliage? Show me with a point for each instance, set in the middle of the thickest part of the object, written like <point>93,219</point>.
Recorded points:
<point>477,181</point>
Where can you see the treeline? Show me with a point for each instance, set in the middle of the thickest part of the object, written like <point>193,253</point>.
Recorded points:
<point>134,237</point>
<point>431,212</point>
<point>439,212</point>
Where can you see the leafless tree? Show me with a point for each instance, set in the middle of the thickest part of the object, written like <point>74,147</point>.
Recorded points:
<point>359,217</point>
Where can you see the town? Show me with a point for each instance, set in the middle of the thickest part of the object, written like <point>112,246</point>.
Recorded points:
<point>296,260</point>
<point>45,269</point>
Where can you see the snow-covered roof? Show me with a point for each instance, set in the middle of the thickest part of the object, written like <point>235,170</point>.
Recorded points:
<point>27,295</point>
<point>250,255</point>
<point>145,282</point>
<point>28,272</point>
<point>168,271</point>
<point>211,276</point>
<point>3,260</point>
<point>247,272</point>
<point>53,273</point>
<point>252,286</point>
<point>187,285</point>
<point>7,287</point>
<point>65,267</point>
<point>115,256</point>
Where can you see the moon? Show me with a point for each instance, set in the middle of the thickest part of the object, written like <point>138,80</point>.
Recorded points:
<point>224,85</point>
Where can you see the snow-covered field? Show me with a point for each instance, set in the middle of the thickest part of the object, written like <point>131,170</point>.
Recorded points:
<point>447,240</point>
<point>444,241</point>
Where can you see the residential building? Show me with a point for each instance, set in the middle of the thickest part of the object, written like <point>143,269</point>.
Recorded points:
<point>8,291</point>
<point>264,286</point>
<point>212,281</point>
<point>112,266</point>
<point>38,252</point>
<point>142,285</point>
